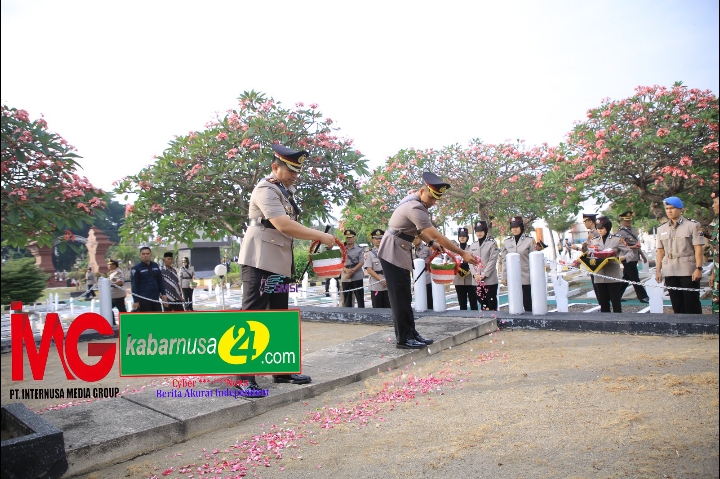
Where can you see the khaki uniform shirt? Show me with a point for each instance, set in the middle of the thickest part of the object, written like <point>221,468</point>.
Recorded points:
<point>355,256</point>
<point>373,262</point>
<point>467,280</point>
<point>267,248</point>
<point>423,252</point>
<point>592,234</point>
<point>186,275</point>
<point>488,253</point>
<point>612,267</point>
<point>410,218</point>
<point>115,276</point>
<point>630,240</point>
<point>679,242</point>
<point>524,247</point>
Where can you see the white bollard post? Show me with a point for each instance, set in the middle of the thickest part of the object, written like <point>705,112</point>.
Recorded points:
<point>333,289</point>
<point>72,306</point>
<point>656,295</point>
<point>305,285</point>
<point>295,297</point>
<point>420,289</point>
<point>217,294</point>
<point>538,280</point>
<point>56,302</point>
<point>104,289</point>
<point>92,305</point>
<point>514,283</point>
<point>561,287</point>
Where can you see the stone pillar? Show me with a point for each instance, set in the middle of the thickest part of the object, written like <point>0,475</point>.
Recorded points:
<point>97,244</point>
<point>43,260</point>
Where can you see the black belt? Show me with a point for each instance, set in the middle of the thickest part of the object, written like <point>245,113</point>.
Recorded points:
<point>263,222</point>
<point>400,235</point>
<point>379,272</point>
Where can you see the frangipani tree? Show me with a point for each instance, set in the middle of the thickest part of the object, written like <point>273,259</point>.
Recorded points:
<point>657,143</point>
<point>201,184</point>
<point>42,195</point>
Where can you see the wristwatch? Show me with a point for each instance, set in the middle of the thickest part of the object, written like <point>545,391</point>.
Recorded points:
<point>432,242</point>
<point>699,268</point>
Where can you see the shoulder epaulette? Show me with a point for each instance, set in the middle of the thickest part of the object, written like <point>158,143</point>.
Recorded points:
<point>690,219</point>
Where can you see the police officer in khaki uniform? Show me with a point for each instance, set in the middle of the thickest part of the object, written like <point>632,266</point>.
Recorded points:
<point>486,275</point>
<point>353,273</point>
<point>410,219</point>
<point>630,270</point>
<point>680,257</point>
<point>609,290</point>
<point>378,285</point>
<point>464,282</point>
<point>523,245</point>
<point>422,251</point>
<point>589,220</point>
<point>266,252</point>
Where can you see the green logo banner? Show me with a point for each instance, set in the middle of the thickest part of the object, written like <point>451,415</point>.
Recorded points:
<point>210,342</point>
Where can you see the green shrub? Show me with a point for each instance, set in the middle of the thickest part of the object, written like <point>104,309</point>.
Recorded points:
<point>22,281</point>
<point>301,262</point>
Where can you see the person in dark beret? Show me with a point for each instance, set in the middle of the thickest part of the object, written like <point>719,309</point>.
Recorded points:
<point>353,274</point>
<point>411,218</point>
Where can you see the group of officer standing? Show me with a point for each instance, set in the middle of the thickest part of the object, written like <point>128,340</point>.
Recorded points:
<point>267,251</point>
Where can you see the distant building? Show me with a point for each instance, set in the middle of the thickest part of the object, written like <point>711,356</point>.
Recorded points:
<point>205,255</point>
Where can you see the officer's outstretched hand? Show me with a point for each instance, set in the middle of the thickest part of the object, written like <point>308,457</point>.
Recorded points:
<point>658,276</point>
<point>328,240</point>
<point>469,257</point>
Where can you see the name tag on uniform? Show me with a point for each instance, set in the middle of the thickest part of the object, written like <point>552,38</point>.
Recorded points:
<point>663,233</point>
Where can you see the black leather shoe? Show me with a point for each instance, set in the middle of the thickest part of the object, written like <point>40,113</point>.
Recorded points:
<point>423,340</point>
<point>251,386</point>
<point>411,344</point>
<point>292,379</point>
<point>644,300</point>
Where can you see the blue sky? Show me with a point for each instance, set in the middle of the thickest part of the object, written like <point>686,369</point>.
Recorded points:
<point>119,79</point>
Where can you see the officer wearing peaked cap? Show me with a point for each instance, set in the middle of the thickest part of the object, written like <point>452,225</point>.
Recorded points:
<point>464,282</point>
<point>378,286</point>
<point>352,275</point>
<point>522,244</point>
<point>485,273</point>
<point>680,257</point>
<point>630,269</point>
<point>410,219</point>
<point>589,220</point>
<point>266,252</point>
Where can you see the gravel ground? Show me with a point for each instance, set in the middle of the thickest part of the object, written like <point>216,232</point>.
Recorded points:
<point>513,404</point>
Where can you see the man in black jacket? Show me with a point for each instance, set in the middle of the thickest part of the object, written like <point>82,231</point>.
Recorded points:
<point>147,283</point>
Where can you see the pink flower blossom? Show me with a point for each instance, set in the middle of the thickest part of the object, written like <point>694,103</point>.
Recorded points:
<point>663,132</point>
<point>23,115</point>
<point>606,113</point>
<point>222,136</point>
<point>129,209</point>
<point>504,191</point>
<point>475,189</point>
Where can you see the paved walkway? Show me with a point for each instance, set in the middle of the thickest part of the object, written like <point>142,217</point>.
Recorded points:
<point>103,432</point>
